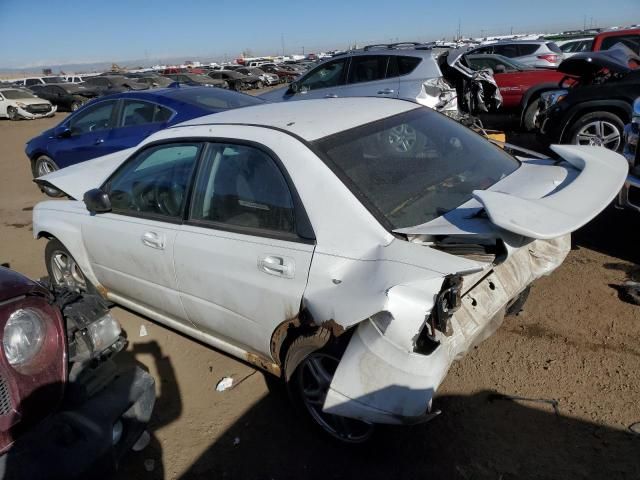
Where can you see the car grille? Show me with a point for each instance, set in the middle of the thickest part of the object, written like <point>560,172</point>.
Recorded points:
<point>6,405</point>
<point>38,108</point>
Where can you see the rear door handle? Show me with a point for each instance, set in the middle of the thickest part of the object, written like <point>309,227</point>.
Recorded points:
<point>275,265</point>
<point>386,91</point>
<point>153,240</point>
<point>99,141</point>
<point>331,95</point>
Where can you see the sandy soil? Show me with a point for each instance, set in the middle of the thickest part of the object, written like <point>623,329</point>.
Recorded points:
<point>576,343</point>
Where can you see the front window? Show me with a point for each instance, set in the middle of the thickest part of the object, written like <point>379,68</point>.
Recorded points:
<point>17,94</point>
<point>155,182</point>
<point>414,167</point>
<point>330,74</point>
<point>92,119</point>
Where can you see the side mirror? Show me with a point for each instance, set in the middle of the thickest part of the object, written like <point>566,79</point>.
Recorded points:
<point>97,201</point>
<point>62,131</point>
<point>500,68</point>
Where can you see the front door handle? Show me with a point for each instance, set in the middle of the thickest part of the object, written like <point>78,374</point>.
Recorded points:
<point>99,141</point>
<point>386,91</point>
<point>275,265</point>
<point>153,240</point>
<point>331,95</point>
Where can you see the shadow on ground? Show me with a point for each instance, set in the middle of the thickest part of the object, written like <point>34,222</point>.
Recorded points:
<point>476,437</point>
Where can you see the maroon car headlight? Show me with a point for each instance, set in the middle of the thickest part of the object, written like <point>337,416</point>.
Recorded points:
<point>23,337</point>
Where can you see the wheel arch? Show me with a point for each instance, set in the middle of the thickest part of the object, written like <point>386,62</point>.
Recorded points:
<point>532,94</point>
<point>617,107</point>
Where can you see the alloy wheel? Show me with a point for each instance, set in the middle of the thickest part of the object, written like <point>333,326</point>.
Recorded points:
<point>402,138</point>
<point>599,133</point>
<point>66,271</point>
<point>314,377</point>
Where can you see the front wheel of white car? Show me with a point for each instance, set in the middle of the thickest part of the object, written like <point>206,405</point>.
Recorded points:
<point>63,269</point>
<point>310,364</point>
<point>12,113</point>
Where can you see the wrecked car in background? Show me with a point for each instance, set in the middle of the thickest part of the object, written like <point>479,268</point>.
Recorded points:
<point>629,196</point>
<point>16,103</point>
<point>65,410</point>
<point>410,71</point>
<point>594,109</point>
<point>354,246</point>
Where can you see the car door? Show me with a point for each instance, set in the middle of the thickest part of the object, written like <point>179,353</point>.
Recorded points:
<point>3,105</point>
<point>88,130</point>
<point>240,266</point>
<point>131,248</point>
<point>324,81</point>
<point>135,121</point>
<point>369,76</point>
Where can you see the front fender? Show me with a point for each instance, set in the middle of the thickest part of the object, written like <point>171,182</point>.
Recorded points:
<point>63,220</point>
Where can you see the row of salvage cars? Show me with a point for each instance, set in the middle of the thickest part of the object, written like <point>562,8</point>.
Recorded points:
<point>354,247</point>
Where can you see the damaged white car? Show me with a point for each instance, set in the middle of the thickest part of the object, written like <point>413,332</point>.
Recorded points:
<point>354,246</point>
<point>16,103</point>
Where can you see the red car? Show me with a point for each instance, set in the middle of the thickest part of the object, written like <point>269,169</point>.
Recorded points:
<point>606,40</point>
<point>519,84</point>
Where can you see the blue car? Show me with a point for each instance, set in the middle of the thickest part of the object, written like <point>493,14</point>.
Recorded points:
<point>123,120</point>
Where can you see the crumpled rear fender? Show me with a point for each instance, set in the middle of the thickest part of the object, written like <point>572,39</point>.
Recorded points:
<point>383,378</point>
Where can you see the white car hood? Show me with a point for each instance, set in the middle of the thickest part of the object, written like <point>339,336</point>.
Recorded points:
<point>77,179</point>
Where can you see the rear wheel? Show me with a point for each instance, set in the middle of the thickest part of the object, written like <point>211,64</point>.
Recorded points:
<point>42,166</point>
<point>75,105</point>
<point>63,270</point>
<point>601,129</point>
<point>259,84</point>
<point>310,364</point>
<point>12,113</point>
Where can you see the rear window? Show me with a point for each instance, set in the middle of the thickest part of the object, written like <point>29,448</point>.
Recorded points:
<point>214,98</point>
<point>414,167</point>
<point>553,46</point>
<point>530,48</point>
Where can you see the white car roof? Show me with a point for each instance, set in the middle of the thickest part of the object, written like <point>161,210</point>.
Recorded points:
<point>310,119</point>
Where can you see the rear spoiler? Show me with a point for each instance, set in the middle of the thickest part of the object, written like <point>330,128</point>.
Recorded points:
<point>602,175</point>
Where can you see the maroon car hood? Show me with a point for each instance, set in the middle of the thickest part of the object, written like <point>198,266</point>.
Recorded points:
<point>14,284</point>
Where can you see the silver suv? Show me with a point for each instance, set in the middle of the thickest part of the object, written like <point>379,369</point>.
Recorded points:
<point>410,71</point>
<point>535,53</point>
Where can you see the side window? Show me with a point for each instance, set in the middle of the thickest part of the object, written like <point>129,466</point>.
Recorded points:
<point>155,182</point>
<point>585,46</point>
<point>242,186</point>
<point>136,112</point>
<point>367,68</point>
<point>330,74</point>
<point>93,119</point>
<point>507,50</point>
<point>527,49</point>
<point>631,41</point>
<point>32,81</point>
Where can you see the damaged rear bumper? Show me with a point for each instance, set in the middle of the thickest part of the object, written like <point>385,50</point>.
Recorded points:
<point>383,379</point>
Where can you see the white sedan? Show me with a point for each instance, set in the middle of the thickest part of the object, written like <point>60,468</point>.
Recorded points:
<point>354,246</point>
<point>17,103</point>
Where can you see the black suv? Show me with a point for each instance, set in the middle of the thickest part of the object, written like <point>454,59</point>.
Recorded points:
<point>594,110</point>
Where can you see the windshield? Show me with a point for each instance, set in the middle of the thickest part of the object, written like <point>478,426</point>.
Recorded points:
<point>16,94</point>
<point>53,80</point>
<point>414,167</point>
<point>214,99</point>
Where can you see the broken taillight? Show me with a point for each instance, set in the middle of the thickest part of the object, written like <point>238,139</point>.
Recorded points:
<point>549,57</point>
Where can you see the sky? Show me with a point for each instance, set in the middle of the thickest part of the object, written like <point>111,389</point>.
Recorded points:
<point>41,33</point>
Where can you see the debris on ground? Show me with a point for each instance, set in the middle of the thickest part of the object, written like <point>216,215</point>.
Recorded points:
<point>236,441</point>
<point>143,331</point>
<point>149,464</point>
<point>629,292</point>
<point>224,384</point>
<point>142,442</point>
<point>635,428</point>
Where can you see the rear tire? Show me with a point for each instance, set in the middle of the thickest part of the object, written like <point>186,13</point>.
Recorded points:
<point>309,366</point>
<point>75,105</point>
<point>598,128</point>
<point>259,84</point>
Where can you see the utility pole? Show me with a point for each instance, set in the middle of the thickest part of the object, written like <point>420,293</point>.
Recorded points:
<point>459,24</point>
<point>282,42</point>
<point>303,50</point>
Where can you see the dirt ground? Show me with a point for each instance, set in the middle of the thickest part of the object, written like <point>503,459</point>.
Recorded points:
<point>576,343</point>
